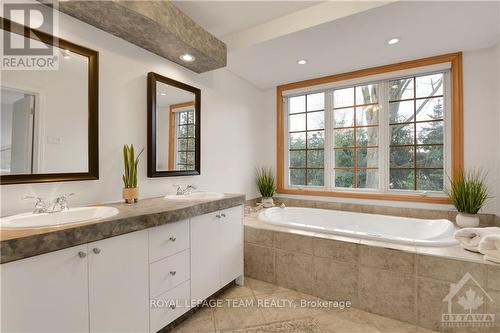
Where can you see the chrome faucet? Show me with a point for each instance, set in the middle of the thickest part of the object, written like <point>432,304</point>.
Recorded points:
<point>185,191</point>
<point>41,206</point>
<point>62,202</point>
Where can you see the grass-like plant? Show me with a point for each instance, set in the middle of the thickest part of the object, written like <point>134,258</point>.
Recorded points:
<point>130,163</point>
<point>468,191</point>
<point>264,178</point>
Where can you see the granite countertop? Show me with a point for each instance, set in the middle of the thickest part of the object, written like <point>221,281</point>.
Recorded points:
<point>17,244</point>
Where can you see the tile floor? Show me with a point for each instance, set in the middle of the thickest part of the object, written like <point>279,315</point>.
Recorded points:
<point>232,317</point>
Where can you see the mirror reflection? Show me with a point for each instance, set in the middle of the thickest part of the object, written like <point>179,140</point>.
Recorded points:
<point>45,117</point>
<point>175,128</point>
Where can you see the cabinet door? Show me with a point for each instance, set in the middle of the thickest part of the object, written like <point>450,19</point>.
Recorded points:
<point>205,254</point>
<point>118,283</point>
<point>46,293</point>
<point>231,244</point>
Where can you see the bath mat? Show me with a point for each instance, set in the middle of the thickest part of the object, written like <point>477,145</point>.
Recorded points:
<point>305,325</point>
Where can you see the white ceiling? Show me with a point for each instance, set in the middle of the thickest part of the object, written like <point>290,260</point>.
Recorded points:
<point>167,95</point>
<point>359,41</point>
<point>221,18</point>
<point>353,37</point>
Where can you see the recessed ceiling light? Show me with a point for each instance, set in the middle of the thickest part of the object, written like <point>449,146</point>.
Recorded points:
<point>163,94</point>
<point>187,57</point>
<point>393,41</point>
<point>66,54</point>
<point>302,61</point>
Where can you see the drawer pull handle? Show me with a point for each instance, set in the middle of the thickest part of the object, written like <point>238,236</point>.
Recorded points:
<point>172,239</point>
<point>173,306</point>
<point>218,216</point>
<point>173,273</point>
<point>82,254</point>
<point>223,215</point>
<point>96,250</point>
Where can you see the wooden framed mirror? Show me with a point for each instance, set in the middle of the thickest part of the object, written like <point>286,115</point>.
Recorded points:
<point>49,115</point>
<point>173,127</point>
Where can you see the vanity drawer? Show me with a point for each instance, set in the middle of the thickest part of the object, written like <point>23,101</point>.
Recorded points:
<point>169,272</point>
<point>168,239</point>
<point>171,305</point>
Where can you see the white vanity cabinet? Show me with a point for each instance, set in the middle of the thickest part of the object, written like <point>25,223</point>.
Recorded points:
<point>169,273</point>
<point>46,293</point>
<point>118,283</point>
<point>102,284</point>
<point>109,285</point>
<point>216,251</point>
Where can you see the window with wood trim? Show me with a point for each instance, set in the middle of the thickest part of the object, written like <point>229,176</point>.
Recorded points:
<point>392,132</point>
<point>185,159</point>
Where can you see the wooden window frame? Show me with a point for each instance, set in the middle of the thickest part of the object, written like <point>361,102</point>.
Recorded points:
<point>456,111</point>
<point>172,132</point>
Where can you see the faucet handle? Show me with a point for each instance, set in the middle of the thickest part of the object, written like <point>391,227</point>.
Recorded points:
<point>62,201</point>
<point>40,204</point>
<point>39,200</point>
<point>28,197</point>
<point>64,196</point>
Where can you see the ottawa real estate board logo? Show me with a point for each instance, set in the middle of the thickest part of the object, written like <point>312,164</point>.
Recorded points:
<point>466,305</point>
<point>27,37</point>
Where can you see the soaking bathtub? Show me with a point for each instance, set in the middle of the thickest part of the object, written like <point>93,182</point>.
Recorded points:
<point>393,229</point>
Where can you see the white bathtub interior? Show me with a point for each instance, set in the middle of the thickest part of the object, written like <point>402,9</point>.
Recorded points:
<point>394,229</point>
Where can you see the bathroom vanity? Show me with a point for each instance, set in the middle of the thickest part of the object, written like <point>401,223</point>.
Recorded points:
<point>134,272</point>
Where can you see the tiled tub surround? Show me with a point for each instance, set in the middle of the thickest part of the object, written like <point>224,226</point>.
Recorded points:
<point>147,213</point>
<point>402,282</point>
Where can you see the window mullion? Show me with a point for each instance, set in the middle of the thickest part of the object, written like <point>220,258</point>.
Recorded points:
<point>328,143</point>
<point>384,137</point>
<point>286,141</point>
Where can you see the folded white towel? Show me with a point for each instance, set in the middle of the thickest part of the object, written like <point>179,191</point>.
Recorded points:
<point>469,238</point>
<point>490,247</point>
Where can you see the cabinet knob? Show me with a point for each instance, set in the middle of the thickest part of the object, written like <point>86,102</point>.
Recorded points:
<point>96,250</point>
<point>172,239</point>
<point>82,254</point>
<point>173,306</point>
<point>223,215</point>
<point>173,273</point>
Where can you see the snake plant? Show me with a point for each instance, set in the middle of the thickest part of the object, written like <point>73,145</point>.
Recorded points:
<point>130,164</point>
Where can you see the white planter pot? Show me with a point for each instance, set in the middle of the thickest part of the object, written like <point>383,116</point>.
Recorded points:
<point>267,202</point>
<point>467,220</point>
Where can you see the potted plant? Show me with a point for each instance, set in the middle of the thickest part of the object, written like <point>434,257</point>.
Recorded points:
<point>468,193</point>
<point>266,185</point>
<point>130,191</point>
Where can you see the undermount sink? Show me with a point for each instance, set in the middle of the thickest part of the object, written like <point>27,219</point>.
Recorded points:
<point>73,215</point>
<point>196,196</point>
